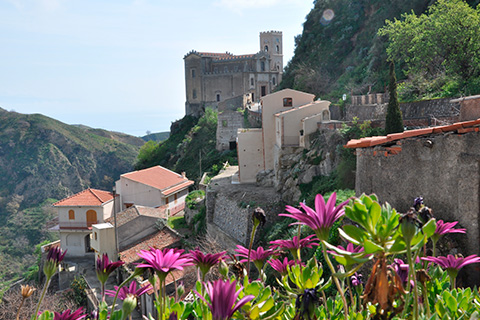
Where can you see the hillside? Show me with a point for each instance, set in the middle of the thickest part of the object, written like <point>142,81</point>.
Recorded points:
<point>339,51</point>
<point>43,159</point>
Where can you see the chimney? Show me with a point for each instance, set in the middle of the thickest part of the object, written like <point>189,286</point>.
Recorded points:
<point>184,175</point>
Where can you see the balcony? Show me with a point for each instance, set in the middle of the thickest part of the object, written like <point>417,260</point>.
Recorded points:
<point>77,225</point>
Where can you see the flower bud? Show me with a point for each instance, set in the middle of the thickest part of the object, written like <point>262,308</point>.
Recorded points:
<point>223,269</point>
<point>129,304</point>
<point>180,290</point>
<point>27,291</point>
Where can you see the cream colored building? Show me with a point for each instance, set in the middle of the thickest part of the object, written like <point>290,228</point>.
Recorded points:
<point>155,187</point>
<point>77,214</point>
<point>288,118</point>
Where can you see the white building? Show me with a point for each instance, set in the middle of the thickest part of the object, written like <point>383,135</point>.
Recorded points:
<point>155,187</point>
<point>288,118</point>
<point>77,214</point>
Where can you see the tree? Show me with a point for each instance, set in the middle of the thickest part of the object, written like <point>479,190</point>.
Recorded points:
<point>393,121</point>
<point>444,41</point>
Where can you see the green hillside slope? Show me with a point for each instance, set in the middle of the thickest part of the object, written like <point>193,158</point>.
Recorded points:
<point>339,51</point>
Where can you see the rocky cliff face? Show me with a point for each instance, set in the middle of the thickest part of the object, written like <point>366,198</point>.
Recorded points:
<point>299,166</point>
<point>43,158</point>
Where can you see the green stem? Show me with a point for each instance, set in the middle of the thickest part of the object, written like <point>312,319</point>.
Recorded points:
<point>411,273</point>
<point>252,237</point>
<point>118,289</point>
<point>434,248</point>
<point>47,283</point>
<point>337,283</point>
<point>426,305</point>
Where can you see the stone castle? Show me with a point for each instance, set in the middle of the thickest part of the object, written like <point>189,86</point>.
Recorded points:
<point>211,78</point>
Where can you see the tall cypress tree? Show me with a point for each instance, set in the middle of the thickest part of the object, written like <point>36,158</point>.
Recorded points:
<point>393,121</point>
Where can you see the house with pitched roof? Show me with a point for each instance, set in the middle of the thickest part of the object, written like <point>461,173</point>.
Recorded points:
<point>155,187</point>
<point>77,214</point>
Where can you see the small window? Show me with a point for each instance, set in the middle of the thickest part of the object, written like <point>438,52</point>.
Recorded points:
<point>194,94</point>
<point>218,96</point>
<point>95,236</point>
<point>215,69</point>
<point>262,65</point>
<point>225,69</point>
<point>264,90</point>
<point>71,215</point>
<point>252,81</point>
<point>266,48</point>
<point>175,196</point>
<point>277,48</point>
<point>193,73</point>
<point>166,200</point>
<point>287,102</point>
<point>274,81</point>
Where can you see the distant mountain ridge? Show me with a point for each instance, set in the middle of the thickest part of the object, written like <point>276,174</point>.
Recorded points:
<point>44,158</point>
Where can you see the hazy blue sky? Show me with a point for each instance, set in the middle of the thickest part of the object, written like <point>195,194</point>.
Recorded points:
<point>118,64</point>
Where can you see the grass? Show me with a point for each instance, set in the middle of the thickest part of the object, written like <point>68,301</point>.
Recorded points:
<point>177,222</point>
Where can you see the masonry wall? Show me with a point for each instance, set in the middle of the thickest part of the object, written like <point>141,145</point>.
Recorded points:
<point>228,124</point>
<point>250,154</point>
<point>444,169</point>
<point>437,108</point>
<point>232,219</point>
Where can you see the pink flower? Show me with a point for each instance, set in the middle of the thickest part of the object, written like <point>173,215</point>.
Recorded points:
<point>130,290</point>
<point>258,256</point>
<point>69,315</point>
<point>295,243</point>
<point>164,261</point>
<point>453,264</point>
<point>205,261</point>
<point>223,299</point>
<point>105,267</point>
<point>54,257</point>
<point>321,219</point>
<point>444,228</point>
<point>281,266</point>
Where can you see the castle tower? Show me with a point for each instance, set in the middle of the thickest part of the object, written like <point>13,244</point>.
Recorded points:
<point>271,42</point>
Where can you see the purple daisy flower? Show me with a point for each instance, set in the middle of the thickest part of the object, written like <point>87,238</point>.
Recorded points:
<point>164,261</point>
<point>281,266</point>
<point>321,219</point>
<point>223,299</point>
<point>69,315</point>
<point>205,261</point>
<point>126,291</point>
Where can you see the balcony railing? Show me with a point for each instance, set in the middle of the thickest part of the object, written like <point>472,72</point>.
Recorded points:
<point>76,225</point>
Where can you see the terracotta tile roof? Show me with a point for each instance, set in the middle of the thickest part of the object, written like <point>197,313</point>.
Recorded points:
<point>159,178</point>
<point>135,211</point>
<point>459,127</point>
<point>162,239</point>
<point>215,54</point>
<point>88,197</point>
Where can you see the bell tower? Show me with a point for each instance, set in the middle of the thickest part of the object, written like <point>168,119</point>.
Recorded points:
<point>271,42</point>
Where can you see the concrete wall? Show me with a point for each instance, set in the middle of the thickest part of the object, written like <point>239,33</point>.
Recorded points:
<point>103,240</point>
<point>272,104</point>
<point>80,221</point>
<point>137,193</point>
<point>136,230</point>
<point>74,243</point>
<point>444,169</point>
<point>250,154</point>
<point>291,122</point>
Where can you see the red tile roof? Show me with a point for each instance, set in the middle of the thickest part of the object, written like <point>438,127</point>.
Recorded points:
<point>459,127</point>
<point>88,197</point>
<point>160,178</point>
<point>162,239</point>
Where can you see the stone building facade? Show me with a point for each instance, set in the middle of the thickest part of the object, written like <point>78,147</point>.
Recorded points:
<point>441,164</point>
<point>211,78</point>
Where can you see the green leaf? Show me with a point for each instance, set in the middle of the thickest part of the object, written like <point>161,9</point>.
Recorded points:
<point>429,228</point>
<point>352,233</point>
<point>371,247</point>
<point>375,212</point>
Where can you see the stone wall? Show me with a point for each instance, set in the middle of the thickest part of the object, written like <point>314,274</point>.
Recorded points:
<point>428,109</point>
<point>443,168</point>
<point>227,125</point>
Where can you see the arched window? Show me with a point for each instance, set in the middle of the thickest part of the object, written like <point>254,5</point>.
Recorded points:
<point>274,81</point>
<point>277,48</point>
<point>71,215</point>
<point>262,65</point>
<point>266,48</point>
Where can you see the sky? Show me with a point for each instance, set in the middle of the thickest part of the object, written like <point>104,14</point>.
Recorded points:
<point>118,64</point>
